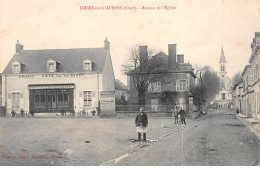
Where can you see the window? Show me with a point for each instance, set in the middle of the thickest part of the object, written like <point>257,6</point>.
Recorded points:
<point>51,67</point>
<point>87,65</point>
<point>154,87</point>
<point>16,67</point>
<point>87,98</point>
<point>39,98</point>
<point>16,100</point>
<point>63,98</point>
<point>182,85</point>
<point>222,68</point>
<point>223,96</point>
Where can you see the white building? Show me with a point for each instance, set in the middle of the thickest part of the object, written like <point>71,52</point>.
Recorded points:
<point>57,80</point>
<point>224,97</point>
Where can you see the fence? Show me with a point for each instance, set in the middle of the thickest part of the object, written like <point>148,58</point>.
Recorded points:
<point>147,108</point>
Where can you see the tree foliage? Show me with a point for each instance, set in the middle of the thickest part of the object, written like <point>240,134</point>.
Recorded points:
<point>237,78</point>
<point>143,70</point>
<point>207,86</point>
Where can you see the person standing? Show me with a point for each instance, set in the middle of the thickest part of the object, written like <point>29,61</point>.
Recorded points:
<point>182,113</point>
<point>13,113</point>
<point>141,122</point>
<point>175,114</point>
<point>22,112</point>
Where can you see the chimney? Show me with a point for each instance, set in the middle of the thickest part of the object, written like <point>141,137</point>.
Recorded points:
<point>172,65</point>
<point>180,58</point>
<point>19,47</point>
<point>143,54</point>
<point>106,44</point>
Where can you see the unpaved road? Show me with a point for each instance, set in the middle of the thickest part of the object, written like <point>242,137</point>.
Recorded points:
<point>215,140</point>
<point>218,139</point>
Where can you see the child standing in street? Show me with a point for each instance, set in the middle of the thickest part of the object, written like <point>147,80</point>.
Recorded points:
<point>141,122</point>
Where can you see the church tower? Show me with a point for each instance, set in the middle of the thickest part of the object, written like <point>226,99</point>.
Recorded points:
<point>222,69</point>
<point>224,97</point>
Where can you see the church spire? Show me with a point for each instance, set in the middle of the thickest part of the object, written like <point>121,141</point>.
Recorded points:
<point>222,57</point>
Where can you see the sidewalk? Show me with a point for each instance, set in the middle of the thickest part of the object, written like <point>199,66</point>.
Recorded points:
<point>251,123</point>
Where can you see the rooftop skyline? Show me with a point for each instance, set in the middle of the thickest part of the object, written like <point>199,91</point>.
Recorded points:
<point>199,28</point>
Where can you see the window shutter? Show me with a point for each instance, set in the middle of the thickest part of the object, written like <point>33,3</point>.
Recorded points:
<point>21,95</point>
<point>9,95</point>
<point>187,85</point>
<point>80,94</point>
<point>177,86</point>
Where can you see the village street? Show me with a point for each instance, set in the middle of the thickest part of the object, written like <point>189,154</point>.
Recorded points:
<point>218,138</point>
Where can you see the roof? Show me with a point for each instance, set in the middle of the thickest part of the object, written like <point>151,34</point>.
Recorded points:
<point>119,85</point>
<point>237,83</point>
<point>222,57</point>
<point>69,60</point>
<point>164,59</point>
<point>245,69</point>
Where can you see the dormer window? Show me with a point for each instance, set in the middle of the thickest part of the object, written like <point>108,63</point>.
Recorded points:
<point>51,65</point>
<point>87,65</point>
<point>16,67</point>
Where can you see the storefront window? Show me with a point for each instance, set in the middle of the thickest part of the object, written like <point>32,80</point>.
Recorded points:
<point>63,98</point>
<point>40,98</point>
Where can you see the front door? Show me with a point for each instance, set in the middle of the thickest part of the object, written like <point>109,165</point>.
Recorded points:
<point>54,100</point>
<point>154,104</point>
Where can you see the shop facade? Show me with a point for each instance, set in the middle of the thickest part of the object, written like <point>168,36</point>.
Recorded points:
<point>60,80</point>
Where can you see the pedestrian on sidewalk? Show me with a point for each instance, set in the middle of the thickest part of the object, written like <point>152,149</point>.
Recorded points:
<point>175,114</point>
<point>141,122</point>
<point>182,113</point>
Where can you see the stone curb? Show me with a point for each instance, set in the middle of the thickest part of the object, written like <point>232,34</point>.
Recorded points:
<point>250,125</point>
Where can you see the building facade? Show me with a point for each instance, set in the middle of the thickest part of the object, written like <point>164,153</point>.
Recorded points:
<point>224,97</point>
<point>179,80</point>
<point>250,87</point>
<point>247,91</point>
<point>55,80</point>
<point>255,72</point>
<point>237,96</point>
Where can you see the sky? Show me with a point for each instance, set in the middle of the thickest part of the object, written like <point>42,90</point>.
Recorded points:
<point>199,28</point>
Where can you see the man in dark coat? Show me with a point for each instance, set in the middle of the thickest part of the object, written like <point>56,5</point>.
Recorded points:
<point>182,114</point>
<point>141,122</point>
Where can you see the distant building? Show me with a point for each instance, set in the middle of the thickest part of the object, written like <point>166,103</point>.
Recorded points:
<point>250,87</point>
<point>246,96</point>
<point>180,79</point>
<point>237,95</point>
<point>224,97</point>
<point>255,82</point>
<point>54,80</point>
<point>120,90</point>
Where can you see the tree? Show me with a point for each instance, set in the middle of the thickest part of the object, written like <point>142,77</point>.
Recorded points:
<point>237,78</point>
<point>143,69</point>
<point>207,87</point>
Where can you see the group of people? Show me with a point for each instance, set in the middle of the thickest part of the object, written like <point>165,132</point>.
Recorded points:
<point>141,121</point>
<point>178,114</point>
<point>22,113</point>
